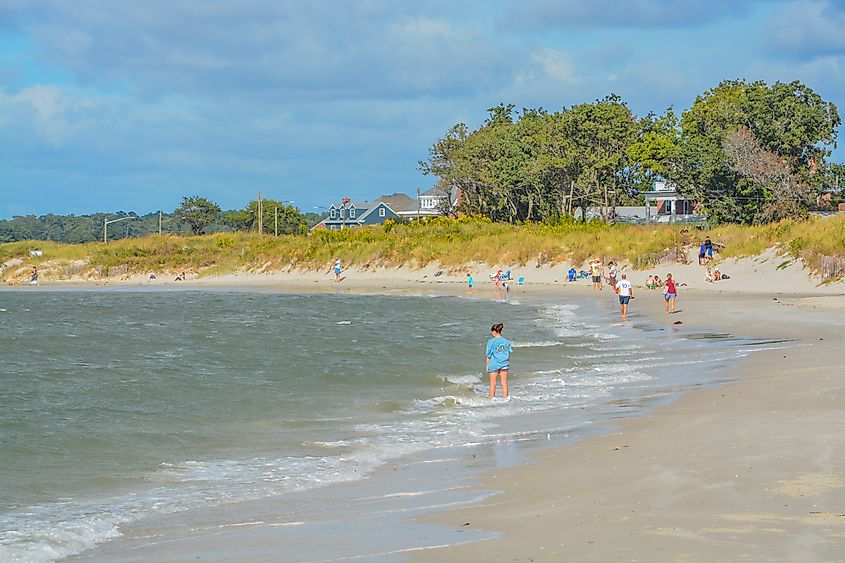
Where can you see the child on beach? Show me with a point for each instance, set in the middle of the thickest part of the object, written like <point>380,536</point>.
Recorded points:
<point>649,282</point>
<point>595,270</point>
<point>670,293</point>
<point>337,270</point>
<point>470,281</point>
<point>498,359</point>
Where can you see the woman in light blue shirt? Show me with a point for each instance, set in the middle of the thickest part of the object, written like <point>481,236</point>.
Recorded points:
<point>498,359</point>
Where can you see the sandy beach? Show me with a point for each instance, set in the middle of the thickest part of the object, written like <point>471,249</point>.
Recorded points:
<point>751,470</point>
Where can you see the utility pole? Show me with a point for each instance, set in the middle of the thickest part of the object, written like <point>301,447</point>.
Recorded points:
<point>277,219</point>
<point>419,203</point>
<point>159,223</point>
<point>106,224</point>
<point>260,216</point>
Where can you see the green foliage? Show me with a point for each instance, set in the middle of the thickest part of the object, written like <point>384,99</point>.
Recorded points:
<point>787,120</point>
<point>536,165</point>
<point>539,165</point>
<point>198,212</point>
<point>451,243</point>
<point>290,220</point>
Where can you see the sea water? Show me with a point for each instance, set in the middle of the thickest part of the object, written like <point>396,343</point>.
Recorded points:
<point>121,405</point>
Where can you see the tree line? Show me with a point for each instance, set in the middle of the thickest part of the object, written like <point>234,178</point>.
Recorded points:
<point>195,215</point>
<point>748,152</point>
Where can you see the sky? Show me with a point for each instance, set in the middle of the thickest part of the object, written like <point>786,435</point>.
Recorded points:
<point>110,105</point>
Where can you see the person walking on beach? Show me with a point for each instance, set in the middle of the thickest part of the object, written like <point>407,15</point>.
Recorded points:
<point>470,281</point>
<point>626,291</point>
<point>611,274</point>
<point>498,359</point>
<point>337,270</point>
<point>595,270</point>
<point>670,293</point>
<point>33,278</point>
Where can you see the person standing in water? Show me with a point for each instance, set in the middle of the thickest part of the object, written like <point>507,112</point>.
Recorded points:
<point>337,270</point>
<point>626,291</point>
<point>498,359</point>
<point>670,292</point>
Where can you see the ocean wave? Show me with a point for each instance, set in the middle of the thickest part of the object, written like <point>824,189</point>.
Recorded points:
<point>539,344</point>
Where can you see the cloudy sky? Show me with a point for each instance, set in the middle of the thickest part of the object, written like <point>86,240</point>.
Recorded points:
<point>129,105</point>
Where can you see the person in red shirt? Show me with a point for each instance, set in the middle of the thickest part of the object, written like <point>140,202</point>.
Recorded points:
<point>670,292</point>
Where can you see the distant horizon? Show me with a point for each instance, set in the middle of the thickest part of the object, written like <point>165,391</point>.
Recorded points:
<point>127,107</point>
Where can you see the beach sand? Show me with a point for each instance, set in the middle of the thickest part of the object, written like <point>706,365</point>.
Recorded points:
<point>752,470</point>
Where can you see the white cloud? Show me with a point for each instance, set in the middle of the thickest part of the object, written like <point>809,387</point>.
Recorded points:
<point>807,29</point>
<point>556,65</point>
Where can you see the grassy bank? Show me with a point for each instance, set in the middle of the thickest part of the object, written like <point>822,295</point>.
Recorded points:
<point>450,243</point>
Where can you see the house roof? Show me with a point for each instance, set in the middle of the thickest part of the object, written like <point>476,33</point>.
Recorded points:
<point>398,201</point>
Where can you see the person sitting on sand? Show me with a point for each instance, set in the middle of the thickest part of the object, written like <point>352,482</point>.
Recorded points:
<point>708,277</point>
<point>572,273</point>
<point>498,359</point>
<point>649,282</point>
<point>717,275</point>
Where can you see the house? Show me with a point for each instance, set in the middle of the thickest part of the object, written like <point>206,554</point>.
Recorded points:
<point>394,206</point>
<point>432,202</point>
<point>663,204</point>
<point>349,214</point>
<point>670,205</point>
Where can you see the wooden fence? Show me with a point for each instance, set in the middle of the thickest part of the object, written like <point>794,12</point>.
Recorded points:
<point>831,267</point>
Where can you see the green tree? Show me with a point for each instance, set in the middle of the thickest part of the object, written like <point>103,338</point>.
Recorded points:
<point>237,219</point>
<point>291,221</point>
<point>787,120</point>
<point>198,212</point>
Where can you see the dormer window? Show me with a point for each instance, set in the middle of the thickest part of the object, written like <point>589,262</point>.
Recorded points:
<point>351,212</point>
<point>333,213</point>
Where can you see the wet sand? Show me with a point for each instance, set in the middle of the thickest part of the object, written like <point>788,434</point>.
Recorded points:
<point>750,471</point>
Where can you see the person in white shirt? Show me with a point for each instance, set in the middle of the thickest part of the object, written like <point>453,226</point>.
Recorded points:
<point>626,291</point>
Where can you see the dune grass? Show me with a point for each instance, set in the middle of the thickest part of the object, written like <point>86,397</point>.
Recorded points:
<point>451,243</point>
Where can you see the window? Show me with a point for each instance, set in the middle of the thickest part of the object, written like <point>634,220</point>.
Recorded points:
<point>333,213</point>
<point>351,212</point>
<point>381,211</point>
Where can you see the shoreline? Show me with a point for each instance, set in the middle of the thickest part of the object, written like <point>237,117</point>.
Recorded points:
<point>488,516</point>
<point>748,470</point>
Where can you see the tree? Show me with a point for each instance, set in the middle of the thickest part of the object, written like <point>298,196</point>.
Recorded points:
<point>788,120</point>
<point>198,213</point>
<point>237,219</point>
<point>786,196</point>
<point>291,221</point>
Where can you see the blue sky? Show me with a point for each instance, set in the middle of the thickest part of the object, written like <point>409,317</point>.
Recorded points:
<point>112,105</point>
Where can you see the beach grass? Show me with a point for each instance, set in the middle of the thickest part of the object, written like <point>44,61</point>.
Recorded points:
<point>450,243</point>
